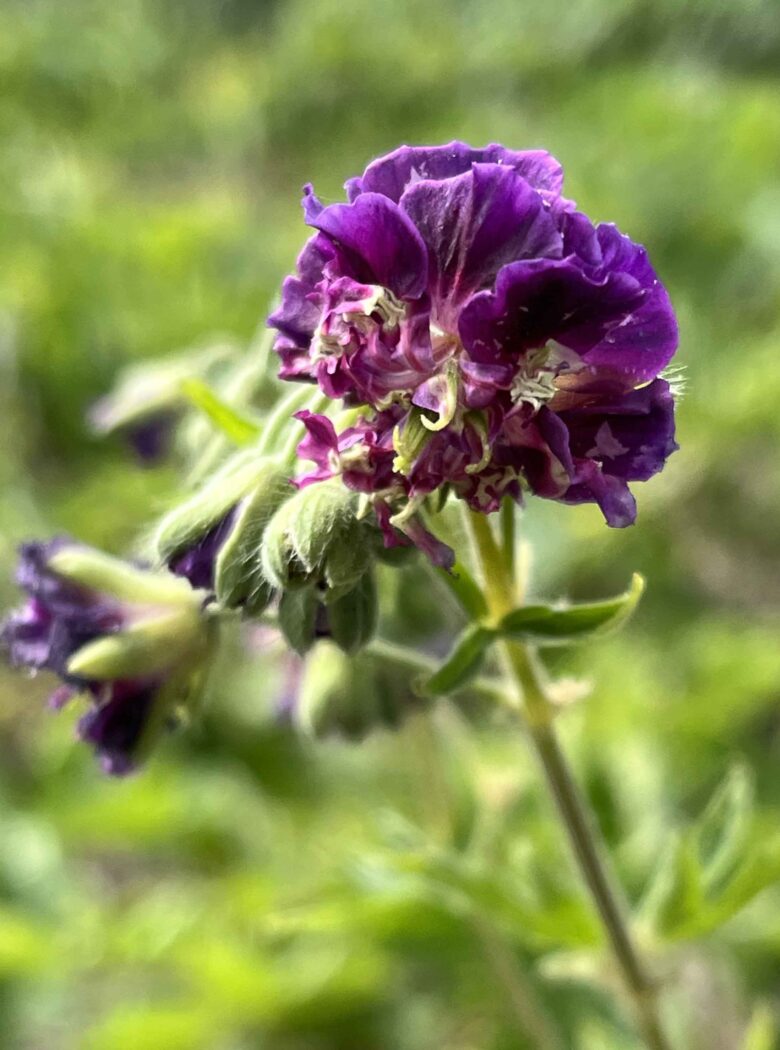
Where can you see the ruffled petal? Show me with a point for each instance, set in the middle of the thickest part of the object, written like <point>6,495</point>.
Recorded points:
<point>539,300</point>
<point>473,225</point>
<point>392,174</point>
<point>643,343</point>
<point>379,241</point>
<point>631,437</point>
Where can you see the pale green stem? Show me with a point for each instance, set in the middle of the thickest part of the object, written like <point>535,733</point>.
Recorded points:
<point>538,710</point>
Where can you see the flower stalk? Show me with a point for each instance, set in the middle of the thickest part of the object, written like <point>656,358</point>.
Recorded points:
<point>538,710</point>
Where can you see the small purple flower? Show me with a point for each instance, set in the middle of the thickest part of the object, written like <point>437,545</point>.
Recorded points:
<point>491,336</point>
<point>59,619</point>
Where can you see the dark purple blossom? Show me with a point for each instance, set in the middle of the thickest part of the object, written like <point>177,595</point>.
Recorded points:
<point>58,619</point>
<point>489,336</point>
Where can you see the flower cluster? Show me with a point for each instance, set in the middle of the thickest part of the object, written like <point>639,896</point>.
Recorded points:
<point>130,647</point>
<point>487,336</point>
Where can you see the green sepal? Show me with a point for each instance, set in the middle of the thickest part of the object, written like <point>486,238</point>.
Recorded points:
<point>185,525</point>
<point>238,572</point>
<point>463,661</point>
<point>545,625</point>
<point>298,618</point>
<point>235,426</point>
<point>147,647</point>
<point>352,618</point>
<point>118,579</point>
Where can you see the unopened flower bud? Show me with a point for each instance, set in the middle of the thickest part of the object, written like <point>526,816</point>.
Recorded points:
<point>348,696</point>
<point>147,399</point>
<point>316,538</point>
<point>214,538</point>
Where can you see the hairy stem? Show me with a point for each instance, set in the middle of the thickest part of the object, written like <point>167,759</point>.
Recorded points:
<point>527,674</point>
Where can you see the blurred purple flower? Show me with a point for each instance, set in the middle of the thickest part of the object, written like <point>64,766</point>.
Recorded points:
<point>57,620</point>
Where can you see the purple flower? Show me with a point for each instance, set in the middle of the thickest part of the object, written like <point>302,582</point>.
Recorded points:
<point>491,336</point>
<point>59,620</point>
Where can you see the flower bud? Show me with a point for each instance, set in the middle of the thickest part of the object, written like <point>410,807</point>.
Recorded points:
<point>214,537</point>
<point>349,696</point>
<point>147,399</point>
<point>316,538</point>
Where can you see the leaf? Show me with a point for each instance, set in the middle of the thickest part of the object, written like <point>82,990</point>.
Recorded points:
<point>674,892</point>
<point>724,827</point>
<point>298,617</point>
<point>106,575</point>
<point>463,661</point>
<point>545,625</point>
<point>236,427</point>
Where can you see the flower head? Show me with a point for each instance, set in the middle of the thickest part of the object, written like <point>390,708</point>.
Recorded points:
<point>489,335</point>
<point>127,640</point>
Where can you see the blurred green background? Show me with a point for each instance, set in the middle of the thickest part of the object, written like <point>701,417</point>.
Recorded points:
<point>252,889</point>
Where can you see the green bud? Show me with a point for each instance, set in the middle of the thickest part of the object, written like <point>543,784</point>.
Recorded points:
<point>298,617</point>
<point>315,537</point>
<point>350,696</point>
<point>152,387</point>
<point>106,575</point>
<point>147,647</point>
<point>238,573</point>
<point>352,617</point>
<point>244,474</point>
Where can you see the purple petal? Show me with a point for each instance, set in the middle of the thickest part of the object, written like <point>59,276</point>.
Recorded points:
<point>392,174</point>
<point>197,563</point>
<point>612,494</point>
<point>473,225</point>
<point>643,343</point>
<point>380,242</point>
<point>632,437</point>
<point>115,726</point>
<point>542,299</point>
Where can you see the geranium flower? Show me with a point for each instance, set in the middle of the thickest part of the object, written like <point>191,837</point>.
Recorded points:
<point>494,339</point>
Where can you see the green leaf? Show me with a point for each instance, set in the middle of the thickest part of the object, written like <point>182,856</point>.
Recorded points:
<point>675,890</point>
<point>353,616</point>
<point>298,617</point>
<point>546,625</point>
<point>236,427</point>
<point>463,661</point>
<point>723,830</point>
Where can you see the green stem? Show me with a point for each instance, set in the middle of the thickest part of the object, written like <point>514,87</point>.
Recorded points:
<point>528,677</point>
